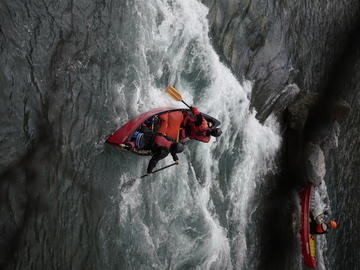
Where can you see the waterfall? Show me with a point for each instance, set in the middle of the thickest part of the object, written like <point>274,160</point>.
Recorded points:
<point>180,218</point>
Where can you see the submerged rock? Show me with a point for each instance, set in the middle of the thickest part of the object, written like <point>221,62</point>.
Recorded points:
<point>315,164</point>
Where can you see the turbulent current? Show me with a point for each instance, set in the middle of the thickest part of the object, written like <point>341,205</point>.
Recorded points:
<point>82,77</point>
<point>194,215</point>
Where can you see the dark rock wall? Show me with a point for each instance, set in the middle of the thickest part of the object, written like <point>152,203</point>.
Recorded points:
<point>275,42</point>
<point>343,176</point>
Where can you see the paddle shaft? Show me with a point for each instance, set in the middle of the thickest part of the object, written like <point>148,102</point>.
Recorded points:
<point>186,104</point>
<point>163,168</point>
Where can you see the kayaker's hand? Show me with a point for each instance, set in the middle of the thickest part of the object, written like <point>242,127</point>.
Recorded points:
<point>177,162</point>
<point>149,174</point>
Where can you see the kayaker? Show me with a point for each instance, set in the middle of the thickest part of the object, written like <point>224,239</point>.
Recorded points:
<point>159,144</point>
<point>163,145</point>
<point>195,127</point>
<point>319,226</point>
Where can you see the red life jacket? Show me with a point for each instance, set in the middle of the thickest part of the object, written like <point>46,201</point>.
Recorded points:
<point>196,132</point>
<point>170,124</point>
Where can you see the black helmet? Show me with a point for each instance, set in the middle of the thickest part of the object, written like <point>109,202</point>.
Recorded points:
<point>177,147</point>
<point>216,132</point>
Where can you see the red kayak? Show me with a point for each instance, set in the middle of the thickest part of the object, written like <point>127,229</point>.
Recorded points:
<point>307,239</point>
<point>162,120</point>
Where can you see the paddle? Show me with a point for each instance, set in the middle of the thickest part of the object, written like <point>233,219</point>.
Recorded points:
<point>172,92</point>
<point>129,183</point>
<point>163,168</point>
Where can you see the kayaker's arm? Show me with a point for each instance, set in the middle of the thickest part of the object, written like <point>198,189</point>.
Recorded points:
<point>175,157</point>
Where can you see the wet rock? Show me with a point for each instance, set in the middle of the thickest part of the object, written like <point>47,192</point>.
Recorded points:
<point>276,43</point>
<point>324,135</point>
<point>315,164</point>
<point>341,110</point>
<point>327,136</point>
<point>298,111</point>
<point>278,103</point>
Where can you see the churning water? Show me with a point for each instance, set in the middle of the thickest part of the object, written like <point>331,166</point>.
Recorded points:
<point>195,215</point>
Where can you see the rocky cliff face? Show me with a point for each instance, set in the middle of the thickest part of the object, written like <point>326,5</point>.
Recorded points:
<point>275,43</point>
<point>312,44</point>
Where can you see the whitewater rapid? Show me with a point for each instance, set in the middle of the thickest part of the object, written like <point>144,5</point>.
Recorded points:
<point>195,215</point>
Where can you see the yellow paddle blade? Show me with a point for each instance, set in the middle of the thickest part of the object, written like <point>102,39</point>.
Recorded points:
<point>172,92</point>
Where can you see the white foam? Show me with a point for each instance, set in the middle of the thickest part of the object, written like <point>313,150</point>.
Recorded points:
<point>175,34</point>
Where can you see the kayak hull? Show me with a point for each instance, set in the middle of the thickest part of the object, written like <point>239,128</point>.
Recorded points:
<point>121,135</point>
<point>307,239</point>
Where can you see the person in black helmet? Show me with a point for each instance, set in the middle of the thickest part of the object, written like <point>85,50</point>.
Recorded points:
<point>215,132</point>
<point>319,226</point>
<point>195,127</point>
<point>161,147</point>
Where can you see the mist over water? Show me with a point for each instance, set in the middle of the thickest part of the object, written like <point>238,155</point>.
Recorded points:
<point>194,215</point>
